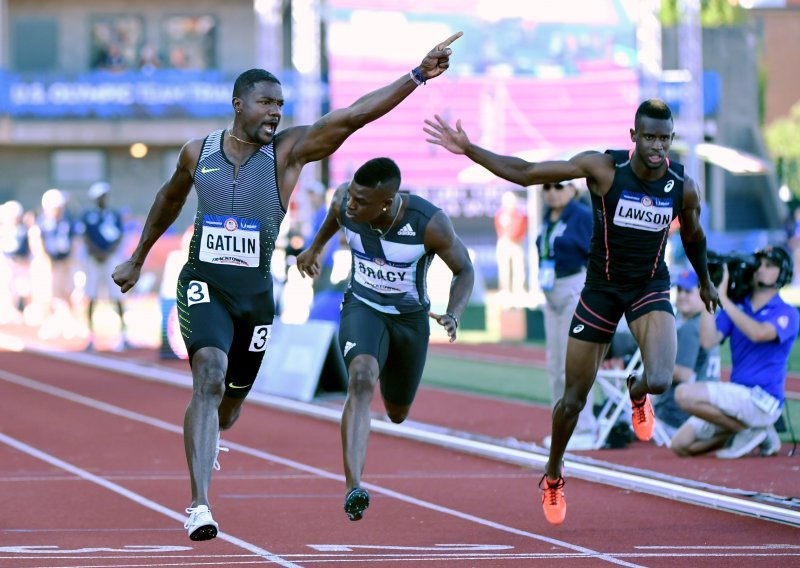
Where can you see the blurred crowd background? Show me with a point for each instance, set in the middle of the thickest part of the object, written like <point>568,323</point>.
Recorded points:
<point>107,92</point>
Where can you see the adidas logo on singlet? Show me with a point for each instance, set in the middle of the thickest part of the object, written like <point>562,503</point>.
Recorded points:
<point>406,231</point>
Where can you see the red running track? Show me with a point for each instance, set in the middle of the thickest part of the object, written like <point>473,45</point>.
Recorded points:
<point>92,473</point>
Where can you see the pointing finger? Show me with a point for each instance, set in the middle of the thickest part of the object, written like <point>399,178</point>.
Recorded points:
<point>449,40</point>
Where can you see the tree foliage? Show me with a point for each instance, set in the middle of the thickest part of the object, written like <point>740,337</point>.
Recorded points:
<point>783,140</point>
<point>713,13</point>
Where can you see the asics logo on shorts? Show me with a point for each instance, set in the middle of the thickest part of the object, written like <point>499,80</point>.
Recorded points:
<point>348,345</point>
<point>578,328</point>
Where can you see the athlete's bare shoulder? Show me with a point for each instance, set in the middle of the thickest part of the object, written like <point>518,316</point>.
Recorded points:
<point>691,193</point>
<point>190,154</point>
<point>598,169</point>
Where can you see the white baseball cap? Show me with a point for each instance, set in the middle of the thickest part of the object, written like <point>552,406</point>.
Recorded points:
<point>98,189</point>
<point>53,199</point>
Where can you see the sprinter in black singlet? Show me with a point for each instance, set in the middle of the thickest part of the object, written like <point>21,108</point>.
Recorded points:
<point>244,176</point>
<point>635,196</point>
<point>384,325</point>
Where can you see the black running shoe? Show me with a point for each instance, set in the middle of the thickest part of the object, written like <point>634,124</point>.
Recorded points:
<point>355,503</point>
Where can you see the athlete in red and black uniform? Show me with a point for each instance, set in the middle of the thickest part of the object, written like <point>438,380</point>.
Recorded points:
<point>635,196</point>
<point>244,177</point>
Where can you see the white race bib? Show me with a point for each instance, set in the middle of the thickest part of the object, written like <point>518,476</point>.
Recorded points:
<point>640,211</point>
<point>109,231</point>
<point>547,274</point>
<point>764,401</point>
<point>230,240</point>
<point>381,275</point>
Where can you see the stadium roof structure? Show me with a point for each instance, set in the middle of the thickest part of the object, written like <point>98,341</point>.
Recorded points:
<point>737,162</point>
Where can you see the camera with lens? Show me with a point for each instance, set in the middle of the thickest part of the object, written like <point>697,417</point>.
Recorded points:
<point>741,268</point>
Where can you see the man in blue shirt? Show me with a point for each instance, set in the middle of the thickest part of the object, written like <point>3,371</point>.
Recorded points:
<point>762,330</point>
<point>103,232</point>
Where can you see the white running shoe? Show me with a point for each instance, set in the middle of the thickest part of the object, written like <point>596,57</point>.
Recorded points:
<point>742,443</point>
<point>771,446</point>
<point>217,450</point>
<point>201,525</point>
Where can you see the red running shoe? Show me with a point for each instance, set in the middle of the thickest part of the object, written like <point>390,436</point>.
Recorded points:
<point>643,418</point>
<point>554,504</point>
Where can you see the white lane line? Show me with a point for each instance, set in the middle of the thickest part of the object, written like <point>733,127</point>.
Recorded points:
<point>117,411</point>
<point>215,559</point>
<point>118,489</point>
<point>621,480</point>
<point>135,497</point>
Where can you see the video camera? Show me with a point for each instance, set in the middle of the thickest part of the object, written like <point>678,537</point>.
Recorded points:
<point>741,268</point>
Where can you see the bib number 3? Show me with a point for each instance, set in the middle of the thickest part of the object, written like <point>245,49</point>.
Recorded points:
<point>197,293</point>
<point>261,335</point>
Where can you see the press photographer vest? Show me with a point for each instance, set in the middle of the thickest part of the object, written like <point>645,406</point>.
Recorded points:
<point>632,222</point>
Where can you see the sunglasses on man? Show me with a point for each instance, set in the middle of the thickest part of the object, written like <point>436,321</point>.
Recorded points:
<point>549,186</point>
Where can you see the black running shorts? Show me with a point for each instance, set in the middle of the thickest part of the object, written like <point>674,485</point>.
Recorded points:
<point>398,341</point>
<point>601,306</point>
<point>238,325</point>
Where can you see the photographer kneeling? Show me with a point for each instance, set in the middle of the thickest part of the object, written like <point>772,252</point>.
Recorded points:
<point>762,329</point>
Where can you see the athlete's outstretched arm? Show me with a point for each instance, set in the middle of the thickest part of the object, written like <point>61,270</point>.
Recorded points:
<point>308,260</point>
<point>516,170</point>
<point>441,238</point>
<point>694,242</point>
<point>165,209</point>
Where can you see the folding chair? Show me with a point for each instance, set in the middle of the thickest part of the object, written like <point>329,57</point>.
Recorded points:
<point>613,383</point>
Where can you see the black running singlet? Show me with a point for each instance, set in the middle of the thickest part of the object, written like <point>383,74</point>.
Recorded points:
<point>631,224</point>
<point>237,220</point>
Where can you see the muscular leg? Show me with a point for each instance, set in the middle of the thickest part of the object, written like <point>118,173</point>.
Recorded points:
<point>363,371</point>
<point>228,412</point>
<point>201,421</point>
<point>693,398</point>
<point>655,333</point>
<point>686,443</point>
<point>583,361</point>
<point>397,413</point>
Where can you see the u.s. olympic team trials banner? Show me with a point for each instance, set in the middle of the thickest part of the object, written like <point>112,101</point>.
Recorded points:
<point>102,94</point>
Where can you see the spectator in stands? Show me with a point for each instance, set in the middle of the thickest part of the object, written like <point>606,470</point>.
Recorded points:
<point>103,232</point>
<point>511,226</point>
<point>149,59</point>
<point>15,260</point>
<point>563,247</point>
<point>51,240</point>
<point>762,330</point>
<point>693,362</point>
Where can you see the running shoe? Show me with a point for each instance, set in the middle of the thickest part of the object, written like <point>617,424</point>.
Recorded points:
<point>554,504</point>
<point>217,450</point>
<point>771,446</point>
<point>742,443</point>
<point>201,525</point>
<point>355,503</point>
<point>643,418</point>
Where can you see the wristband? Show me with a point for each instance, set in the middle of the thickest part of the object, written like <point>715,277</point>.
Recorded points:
<point>416,76</point>
<point>454,318</point>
